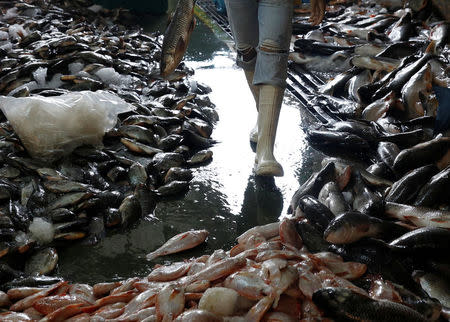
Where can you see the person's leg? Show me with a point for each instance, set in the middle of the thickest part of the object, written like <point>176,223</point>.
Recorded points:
<point>275,30</point>
<point>243,18</point>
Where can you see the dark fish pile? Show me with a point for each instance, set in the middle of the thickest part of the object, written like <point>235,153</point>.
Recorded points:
<point>49,48</point>
<point>388,61</point>
<point>383,198</point>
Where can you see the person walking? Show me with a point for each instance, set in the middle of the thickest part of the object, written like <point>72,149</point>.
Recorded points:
<point>262,32</point>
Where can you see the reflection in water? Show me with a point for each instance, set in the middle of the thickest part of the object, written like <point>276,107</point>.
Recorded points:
<point>263,203</point>
<point>224,196</point>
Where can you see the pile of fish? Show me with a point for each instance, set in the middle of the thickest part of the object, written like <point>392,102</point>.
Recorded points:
<point>388,61</point>
<point>382,197</point>
<point>49,48</point>
<point>270,275</point>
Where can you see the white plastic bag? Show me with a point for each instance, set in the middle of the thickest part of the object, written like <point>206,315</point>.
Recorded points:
<point>50,127</point>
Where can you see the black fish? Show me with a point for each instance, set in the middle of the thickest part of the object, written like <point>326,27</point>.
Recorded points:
<point>404,74</point>
<point>310,46</point>
<point>316,213</point>
<point>436,190</point>
<point>425,240</point>
<point>313,185</point>
<point>366,201</point>
<point>337,140</point>
<point>346,305</point>
<point>406,189</point>
<point>312,238</point>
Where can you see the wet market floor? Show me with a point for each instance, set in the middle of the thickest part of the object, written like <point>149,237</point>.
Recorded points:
<point>224,197</point>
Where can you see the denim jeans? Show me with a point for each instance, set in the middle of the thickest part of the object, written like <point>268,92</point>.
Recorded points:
<point>262,32</point>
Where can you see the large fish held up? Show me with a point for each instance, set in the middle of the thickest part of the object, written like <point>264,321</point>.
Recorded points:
<point>176,36</point>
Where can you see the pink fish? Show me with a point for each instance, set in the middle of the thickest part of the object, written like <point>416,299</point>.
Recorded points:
<point>180,242</point>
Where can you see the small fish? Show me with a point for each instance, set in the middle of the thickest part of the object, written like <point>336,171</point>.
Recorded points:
<point>313,185</point>
<point>248,284</point>
<point>377,109</point>
<point>176,36</point>
<point>419,216</point>
<point>429,308</point>
<point>137,174</point>
<point>178,174</point>
<point>419,84</point>
<point>356,82</point>
<point>406,189</point>
<point>289,235</point>
<point>425,240</point>
<point>345,304</point>
<point>331,196</point>
<point>337,140</point>
<point>435,286</point>
<point>168,273</point>
<point>387,152</point>
<point>366,201</point>
<point>42,262</point>
<point>69,199</point>
<point>352,226</point>
<point>312,238</point>
<point>130,209</point>
<point>65,186</point>
<point>435,191</point>
<point>180,242</point>
<point>169,303</point>
<point>266,231</point>
<point>375,63</point>
<point>138,133</point>
<point>200,157</point>
<point>172,188</point>
<point>50,304</point>
<point>402,29</point>
<point>139,147</point>
<point>317,213</point>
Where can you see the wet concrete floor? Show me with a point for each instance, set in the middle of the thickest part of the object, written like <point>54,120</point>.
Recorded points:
<point>224,197</point>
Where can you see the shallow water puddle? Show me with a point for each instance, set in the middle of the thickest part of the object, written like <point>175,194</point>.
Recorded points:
<point>224,197</point>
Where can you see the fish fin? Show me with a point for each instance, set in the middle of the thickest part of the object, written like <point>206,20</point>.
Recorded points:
<point>181,45</point>
<point>169,19</point>
<point>431,48</point>
<point>192,25</point>
<point>398,104</point>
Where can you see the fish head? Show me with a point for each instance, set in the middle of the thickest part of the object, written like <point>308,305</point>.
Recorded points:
<point>346,228</point>
<point>331,298</point>
<point>430,308</point>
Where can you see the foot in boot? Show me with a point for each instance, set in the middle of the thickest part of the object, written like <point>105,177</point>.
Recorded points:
<point>269,168</point>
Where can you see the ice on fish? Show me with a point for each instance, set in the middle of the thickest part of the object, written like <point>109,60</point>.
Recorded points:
<point>55,82</point>
<point>42,230</point>
<point>6,46</point>
<point>75,68</point>
<point>10,13</point>
<point>110,76</point>
<point>4,35</point>
<point>16,31</point>
<point>40,75</point>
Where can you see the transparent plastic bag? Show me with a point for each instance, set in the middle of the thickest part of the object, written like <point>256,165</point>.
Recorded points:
<point>51,127</point>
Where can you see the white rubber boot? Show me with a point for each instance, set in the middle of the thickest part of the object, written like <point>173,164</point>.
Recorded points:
<point>270,99</point>
<point>255,91</point>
